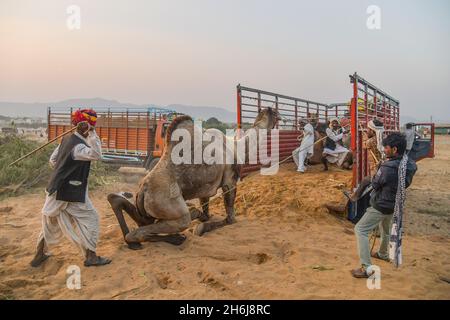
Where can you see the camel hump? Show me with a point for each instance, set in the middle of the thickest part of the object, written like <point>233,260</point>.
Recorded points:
<point>174,124</point>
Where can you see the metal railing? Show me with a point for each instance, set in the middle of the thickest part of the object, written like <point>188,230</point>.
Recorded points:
<point>368,103</point>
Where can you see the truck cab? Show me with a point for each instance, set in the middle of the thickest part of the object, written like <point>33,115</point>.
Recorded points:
<point>423,146</point>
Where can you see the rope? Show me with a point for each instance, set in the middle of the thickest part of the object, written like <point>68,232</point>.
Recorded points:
<point>277,164</point>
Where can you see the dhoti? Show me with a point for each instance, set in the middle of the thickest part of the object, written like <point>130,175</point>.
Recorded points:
<point>337,155</point>
<point>76,221</point>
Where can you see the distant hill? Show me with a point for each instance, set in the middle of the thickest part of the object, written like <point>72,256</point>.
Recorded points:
<point>39,109</point>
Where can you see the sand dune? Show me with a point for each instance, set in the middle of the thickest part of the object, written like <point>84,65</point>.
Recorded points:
<point>285,246</point>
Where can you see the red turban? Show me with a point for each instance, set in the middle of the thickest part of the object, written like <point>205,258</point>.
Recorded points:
<point>345,122</point>
<point>88,115</point>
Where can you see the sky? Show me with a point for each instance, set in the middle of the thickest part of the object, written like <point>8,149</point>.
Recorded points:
<point>196,51</point>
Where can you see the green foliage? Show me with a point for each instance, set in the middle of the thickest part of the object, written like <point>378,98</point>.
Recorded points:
<point>35,170</point>
<point>27,173</point>
<point>216,124</point>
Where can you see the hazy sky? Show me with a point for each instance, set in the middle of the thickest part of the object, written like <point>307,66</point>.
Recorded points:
<point>196,52</point>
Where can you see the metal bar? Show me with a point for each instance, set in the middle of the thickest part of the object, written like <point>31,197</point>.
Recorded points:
<point>238,106</point>
<point>259,102</point>
<point>109,129</point>
<point>362,80</point>
<point>296,115</point>
<point>126,141</point>
<point>279,95</point>
<point>48,123</point>
<point>354,130</point>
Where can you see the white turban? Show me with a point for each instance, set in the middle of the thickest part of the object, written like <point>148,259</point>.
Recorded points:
<point>379,134</point>
<point>331,122</point>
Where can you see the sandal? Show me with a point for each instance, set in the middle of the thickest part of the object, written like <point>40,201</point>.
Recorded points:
<point>359,273</point>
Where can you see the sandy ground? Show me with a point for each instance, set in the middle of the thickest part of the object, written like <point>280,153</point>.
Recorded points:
<point>284,246</point>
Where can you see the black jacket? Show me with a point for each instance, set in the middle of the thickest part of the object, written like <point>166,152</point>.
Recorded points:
<point>385,184</point>
<point>69,179</point>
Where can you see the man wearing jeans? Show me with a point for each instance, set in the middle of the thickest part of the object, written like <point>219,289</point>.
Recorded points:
<point>382,203</point>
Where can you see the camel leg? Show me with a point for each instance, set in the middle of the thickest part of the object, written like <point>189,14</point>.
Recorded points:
<point>229,198</point>
<point>171,227</point>
<point>348,161</point>
<point>196,213</point>
<point>205,207</point>
<point>120,204</point>
<point>325,163</point>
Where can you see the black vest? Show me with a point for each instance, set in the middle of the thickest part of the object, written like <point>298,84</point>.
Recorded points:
<point>331,144</point>
<point>70,177</point>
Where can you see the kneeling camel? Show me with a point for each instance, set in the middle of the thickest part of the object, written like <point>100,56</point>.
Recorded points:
<point>160,208</point>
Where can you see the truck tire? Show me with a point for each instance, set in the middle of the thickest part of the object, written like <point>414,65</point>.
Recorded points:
<point>151,163</point>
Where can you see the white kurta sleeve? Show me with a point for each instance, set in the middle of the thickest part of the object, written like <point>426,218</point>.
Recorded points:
<point>92,152</point>
<point>308,130</point>
<point>333,136</point>
<point>53,157</point>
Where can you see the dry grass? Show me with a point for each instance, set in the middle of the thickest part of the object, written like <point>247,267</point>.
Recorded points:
<point>35,171</point>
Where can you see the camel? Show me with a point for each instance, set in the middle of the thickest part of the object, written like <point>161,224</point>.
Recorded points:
<point>160,208</point>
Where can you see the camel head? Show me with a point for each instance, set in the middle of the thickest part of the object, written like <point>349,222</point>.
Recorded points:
<point>267,119</point>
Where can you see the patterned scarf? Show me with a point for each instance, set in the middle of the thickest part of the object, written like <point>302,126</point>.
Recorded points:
<point>395,243</point>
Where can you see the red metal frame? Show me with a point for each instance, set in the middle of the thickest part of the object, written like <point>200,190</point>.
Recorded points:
<point>368,103</point>
<point>250,101</point>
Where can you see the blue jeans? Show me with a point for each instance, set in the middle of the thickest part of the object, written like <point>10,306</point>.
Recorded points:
<point>370,220</point>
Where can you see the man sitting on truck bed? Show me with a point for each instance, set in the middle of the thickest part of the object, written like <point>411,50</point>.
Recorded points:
<point>334,151</point>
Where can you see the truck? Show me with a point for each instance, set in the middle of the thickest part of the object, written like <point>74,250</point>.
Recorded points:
<point>130,136</point>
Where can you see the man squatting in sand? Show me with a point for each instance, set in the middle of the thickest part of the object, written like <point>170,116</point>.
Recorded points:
<point>386,202</point>
<point>68,210</point>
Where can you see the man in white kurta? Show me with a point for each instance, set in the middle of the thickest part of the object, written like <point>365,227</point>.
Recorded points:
<point>339,153</point>
<point>306,149</point>
<point>77,221</point>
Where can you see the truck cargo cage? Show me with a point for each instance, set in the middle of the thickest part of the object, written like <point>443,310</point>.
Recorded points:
<point>127,134</point>
<point>250,101</point>
<point>369,102</point>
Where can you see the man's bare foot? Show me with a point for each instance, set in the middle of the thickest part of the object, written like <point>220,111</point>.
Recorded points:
<point>39,259</point>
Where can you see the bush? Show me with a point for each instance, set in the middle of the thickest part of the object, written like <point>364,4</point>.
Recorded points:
<point>35,170</point>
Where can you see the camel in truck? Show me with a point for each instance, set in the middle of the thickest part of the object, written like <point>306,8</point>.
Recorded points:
<point>160,209</point>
